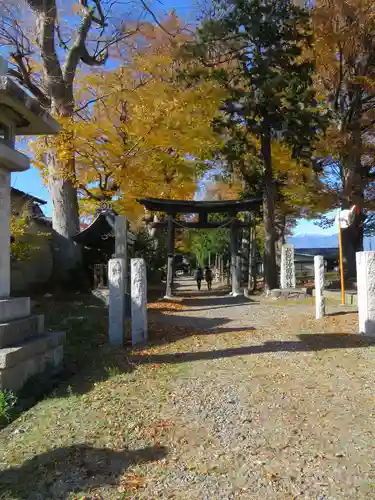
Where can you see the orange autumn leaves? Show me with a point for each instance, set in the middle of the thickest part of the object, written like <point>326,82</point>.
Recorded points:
<point>145,132</point>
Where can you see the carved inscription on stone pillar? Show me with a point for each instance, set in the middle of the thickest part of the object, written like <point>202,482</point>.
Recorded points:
<point>288,274</point>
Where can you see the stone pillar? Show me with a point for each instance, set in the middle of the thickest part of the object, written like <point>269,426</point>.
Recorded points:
<point>139,301</point>
<point>366,292</point>
<point>319,286</point>
<point>121,237</point>
<point>121,252</point>
<point>234,260</point>
<point>170,251</point>
<point>25,348</point>
<point>116,301</point>
<point>288,273</point>
<point>5,210</point>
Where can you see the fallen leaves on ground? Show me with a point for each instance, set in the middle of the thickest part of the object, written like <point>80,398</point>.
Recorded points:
<point>166,306</point>
<point>157,430</point>
<point>131,481</point>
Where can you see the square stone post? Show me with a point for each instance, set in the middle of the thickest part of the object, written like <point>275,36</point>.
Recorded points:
<point>5,213</point>
<point>366,292</point>
<point>139,300</point>
<point>121,252</point>
<point>116,301</point>
<point>319,286</point>
<point>287,271</point>
<point>121,237</point>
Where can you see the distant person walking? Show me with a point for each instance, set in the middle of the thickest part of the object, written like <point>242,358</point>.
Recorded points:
<point>208,276</point>
<point>198,277</point>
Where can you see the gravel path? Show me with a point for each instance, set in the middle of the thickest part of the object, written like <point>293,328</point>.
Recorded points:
<point>232,399</point>
<point>273,405</point>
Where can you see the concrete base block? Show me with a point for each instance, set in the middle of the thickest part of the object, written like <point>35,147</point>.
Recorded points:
<point>24,348</point>
<point>13,332</point>
<point>102,294</point>
<point>366,292</point>
<point>15,377</point>
<point>288,293</point>
<point>11,356</point>
<point>15,308</point>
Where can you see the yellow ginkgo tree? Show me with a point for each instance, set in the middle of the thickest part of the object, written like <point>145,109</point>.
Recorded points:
<point>144,131</point>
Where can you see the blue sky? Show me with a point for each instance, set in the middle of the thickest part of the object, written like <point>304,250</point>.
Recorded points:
<point>31,181</point>
<point>308,227</point>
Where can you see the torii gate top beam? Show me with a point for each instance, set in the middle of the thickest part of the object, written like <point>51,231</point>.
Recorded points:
<point>193,207</point>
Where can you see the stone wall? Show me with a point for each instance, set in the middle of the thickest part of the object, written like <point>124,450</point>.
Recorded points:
<point>36,270</point>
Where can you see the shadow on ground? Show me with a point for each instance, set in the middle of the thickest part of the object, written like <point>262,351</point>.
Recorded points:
<point>88,356</point>
<point>60,472</point>
<point>207,301</point>
<point>171,329</point>
<point>341,313</point>
<point>308,342</point>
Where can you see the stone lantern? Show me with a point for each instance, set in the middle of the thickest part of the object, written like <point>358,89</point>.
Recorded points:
<point>25,349</point>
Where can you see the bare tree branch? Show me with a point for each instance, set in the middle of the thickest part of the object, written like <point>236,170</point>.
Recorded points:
<point>78,48</point>
<point>94,100</point>
<point>46,16</point>
<point>88,193</point>
<point>63,44</point>
<point>24,77</point>
<point>152,14</point>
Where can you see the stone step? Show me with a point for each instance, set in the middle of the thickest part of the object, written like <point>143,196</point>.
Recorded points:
<point>11,356</point>
<point>14,332</point>
<point>49,361</point>
<point>15,308</point>
<point>289,293</point>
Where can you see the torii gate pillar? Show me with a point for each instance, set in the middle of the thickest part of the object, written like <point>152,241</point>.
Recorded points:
<point>170,251</point>
<point>235,260</point>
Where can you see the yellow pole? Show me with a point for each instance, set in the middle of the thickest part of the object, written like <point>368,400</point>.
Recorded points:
<point>341,267</point>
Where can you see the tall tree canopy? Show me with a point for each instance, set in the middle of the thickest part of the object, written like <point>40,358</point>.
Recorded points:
<point>145,134</point>
<point>256,47</point>
<point>48,41</point>
<point>345,55</point>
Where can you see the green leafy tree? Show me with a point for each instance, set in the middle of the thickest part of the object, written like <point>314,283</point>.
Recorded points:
<point>202,242</point>
<point>255,49</point>
<point>345,81</point>
<point>209,241</point>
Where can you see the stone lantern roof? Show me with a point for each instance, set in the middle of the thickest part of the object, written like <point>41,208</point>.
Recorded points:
<point>20,114</point>
<point>22,109</point>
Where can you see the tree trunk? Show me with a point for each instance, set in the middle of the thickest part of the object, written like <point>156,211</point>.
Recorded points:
<point>270,270</point>
<point>353,194</point>
<point>65,218</point>
<point>280,225</point>
<point>352,242</point>
<point>65,210</point>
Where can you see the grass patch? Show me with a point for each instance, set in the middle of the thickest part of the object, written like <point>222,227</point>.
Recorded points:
<point>8,403</point>
<point>93,434</point>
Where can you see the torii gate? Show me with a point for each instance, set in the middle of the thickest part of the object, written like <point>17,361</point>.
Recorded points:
<point>203,208</point>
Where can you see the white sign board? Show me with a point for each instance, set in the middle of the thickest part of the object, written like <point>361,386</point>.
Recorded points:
<point>345,218</point>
